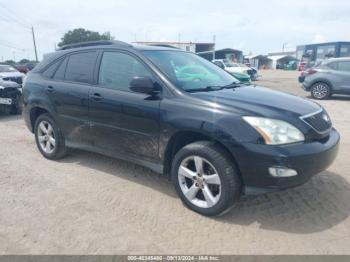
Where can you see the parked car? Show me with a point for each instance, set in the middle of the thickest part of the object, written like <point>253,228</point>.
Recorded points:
<point>291,65</point>
<point>9,73</point>
<point>215,138</point>
<point>328,78</point>
<point>236,68</point>
<point>244,78</point>
<point>31,65</point>
<point>10,97</point>
<point>22,68</point>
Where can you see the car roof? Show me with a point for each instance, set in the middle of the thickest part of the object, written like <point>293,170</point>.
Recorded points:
<point>93,45</point>
<point>338,59</point>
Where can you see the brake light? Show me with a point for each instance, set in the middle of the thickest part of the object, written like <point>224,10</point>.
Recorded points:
<point>311,71</point>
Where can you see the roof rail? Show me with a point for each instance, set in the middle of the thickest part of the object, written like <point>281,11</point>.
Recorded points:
<point>94,43</point>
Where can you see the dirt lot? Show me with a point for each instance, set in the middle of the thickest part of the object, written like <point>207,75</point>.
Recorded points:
<point>88,203</point>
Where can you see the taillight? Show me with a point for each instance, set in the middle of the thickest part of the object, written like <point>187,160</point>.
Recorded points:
<point>311,71</point>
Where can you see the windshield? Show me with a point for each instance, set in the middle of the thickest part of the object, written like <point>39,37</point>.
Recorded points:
<point>190,72</point>
<point>6,68</point>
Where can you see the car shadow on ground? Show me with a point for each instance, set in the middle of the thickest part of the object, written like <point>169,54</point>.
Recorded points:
<point>333,97</point>
<point>121,169</point>
<point>321,203</point>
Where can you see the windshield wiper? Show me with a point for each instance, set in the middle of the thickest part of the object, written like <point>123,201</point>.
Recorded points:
<point>207,89</point>
<point>233,85</point>
<point>216,88</point>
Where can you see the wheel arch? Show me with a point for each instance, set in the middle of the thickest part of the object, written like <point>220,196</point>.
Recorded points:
<point>185,137</point>
<point>34,113</point>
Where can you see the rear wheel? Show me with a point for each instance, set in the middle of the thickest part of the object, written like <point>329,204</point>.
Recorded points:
<point>320,91</point>
<point>205,178</point>
<point>49,138</point>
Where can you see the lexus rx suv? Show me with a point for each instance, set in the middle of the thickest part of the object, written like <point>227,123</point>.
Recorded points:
<point>214,137</point>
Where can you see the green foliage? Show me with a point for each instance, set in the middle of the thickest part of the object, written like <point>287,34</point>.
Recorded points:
<point>83,35</point>
<point>24,61</point>
<point>10,62</point>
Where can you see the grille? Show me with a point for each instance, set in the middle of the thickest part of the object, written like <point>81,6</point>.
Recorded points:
<point>18,80</point>
<point>319,121</point>
<point>250,72</point>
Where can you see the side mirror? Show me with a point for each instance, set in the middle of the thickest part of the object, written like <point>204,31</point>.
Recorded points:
<point>142,84</point>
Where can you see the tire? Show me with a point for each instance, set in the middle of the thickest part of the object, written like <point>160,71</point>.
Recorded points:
<point>216,161</point>
<point>56,148</point>
<point>320,91</point>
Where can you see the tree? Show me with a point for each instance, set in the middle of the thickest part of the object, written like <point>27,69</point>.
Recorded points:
<point>24,61</point>
<point>83,35</point>
<point>10,62</point>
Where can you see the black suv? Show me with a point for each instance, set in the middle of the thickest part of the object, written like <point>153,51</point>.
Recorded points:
<point>213,136</point>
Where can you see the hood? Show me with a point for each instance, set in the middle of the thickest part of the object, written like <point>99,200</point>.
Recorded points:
<point>236,69</point>
<point>11,74</point>
<point>259,101</point>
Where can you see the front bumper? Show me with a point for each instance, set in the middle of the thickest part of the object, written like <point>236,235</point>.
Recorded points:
<point>307,159</point>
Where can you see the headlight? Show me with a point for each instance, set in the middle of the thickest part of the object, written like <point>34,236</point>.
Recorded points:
<point>275,132</point>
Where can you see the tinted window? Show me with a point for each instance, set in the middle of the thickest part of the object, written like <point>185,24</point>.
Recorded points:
<point>117,70</point>
<point>59,75</point>
<point>52,69</point>
<point>80,67</point>
<point>344,66</point>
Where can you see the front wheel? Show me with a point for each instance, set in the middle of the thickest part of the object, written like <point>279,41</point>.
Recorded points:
<point>205,178</point>
<point>320,91</point>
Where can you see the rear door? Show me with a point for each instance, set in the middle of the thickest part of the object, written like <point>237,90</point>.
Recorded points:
<point>123,122</point>
<point>339,76</point>
<point>69,93</point>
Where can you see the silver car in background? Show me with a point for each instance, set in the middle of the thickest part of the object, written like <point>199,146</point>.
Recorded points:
<point>330,77</point>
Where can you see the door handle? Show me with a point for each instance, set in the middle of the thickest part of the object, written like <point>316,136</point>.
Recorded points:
<point>50,89</point>
<point>96,96</point>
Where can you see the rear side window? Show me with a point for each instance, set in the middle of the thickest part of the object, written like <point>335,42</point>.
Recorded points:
<point>59,75</point>
<point>80,67</point>
<point>344,66</point>
<point>48,73</point>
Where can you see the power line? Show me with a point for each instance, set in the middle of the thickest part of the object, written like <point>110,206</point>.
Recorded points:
<point>13,16</point>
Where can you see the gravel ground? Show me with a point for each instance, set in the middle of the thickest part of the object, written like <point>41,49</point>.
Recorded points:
<point>91,204</point>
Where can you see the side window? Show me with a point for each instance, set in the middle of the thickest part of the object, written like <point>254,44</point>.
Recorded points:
<point>333,65</point>
<point>117,70</point>
<point>59,75</point>
<point>344,66</point>
<point>48,73</point>
<point>80,67</point>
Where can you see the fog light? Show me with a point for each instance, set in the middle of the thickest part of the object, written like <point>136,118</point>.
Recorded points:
<point>282,172</point>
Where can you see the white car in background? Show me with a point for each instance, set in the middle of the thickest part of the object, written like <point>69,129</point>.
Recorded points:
<point>236,68</point>
<point>9,73</point>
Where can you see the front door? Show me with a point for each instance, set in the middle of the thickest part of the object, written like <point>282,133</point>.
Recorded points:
<point>123,122</point>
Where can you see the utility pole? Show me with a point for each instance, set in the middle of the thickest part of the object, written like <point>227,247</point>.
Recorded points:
<point>214,39</point>
<point>36,53</point>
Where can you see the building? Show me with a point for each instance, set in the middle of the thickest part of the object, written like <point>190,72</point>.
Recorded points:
<point>228,53</point>
<point>186,46</point>
<point>258,61</point>
<point>318,52</point>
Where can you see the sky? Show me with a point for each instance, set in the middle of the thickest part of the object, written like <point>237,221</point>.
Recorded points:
<point>254,26</point>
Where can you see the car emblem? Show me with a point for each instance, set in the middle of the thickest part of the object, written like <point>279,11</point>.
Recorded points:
<point>325,118</point>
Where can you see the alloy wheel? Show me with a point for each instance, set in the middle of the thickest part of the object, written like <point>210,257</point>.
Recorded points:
<point>320,91</point>
<point>46,137</point>
<point>199,181</point>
